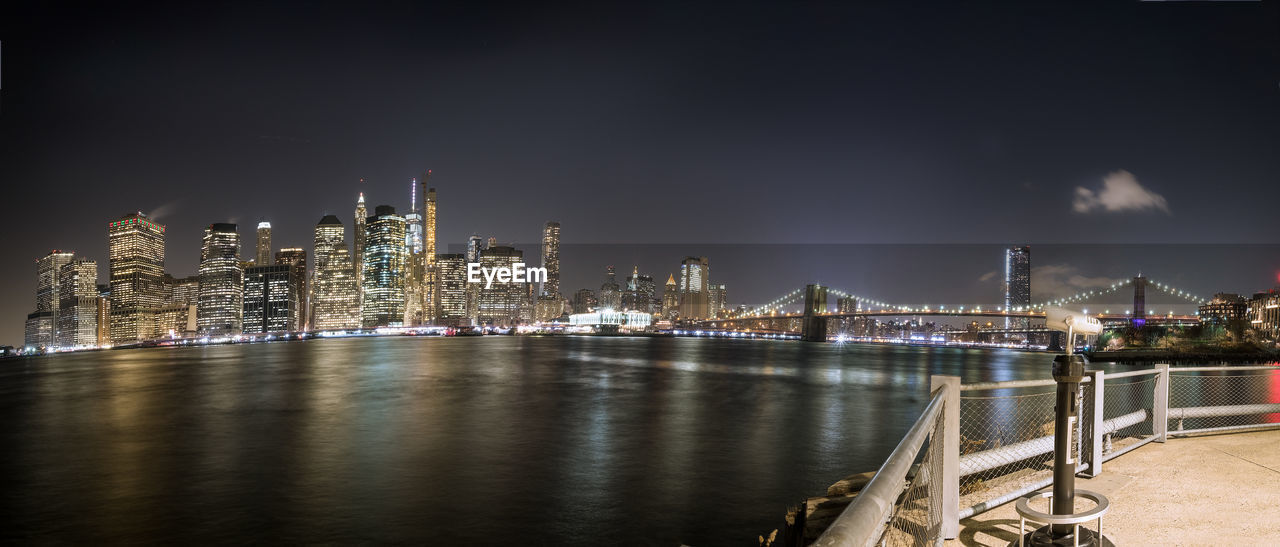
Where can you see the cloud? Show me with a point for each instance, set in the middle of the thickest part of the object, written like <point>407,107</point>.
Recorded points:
<point>1120,192</point>
<point>1054,281</point>
<point>988,276</point>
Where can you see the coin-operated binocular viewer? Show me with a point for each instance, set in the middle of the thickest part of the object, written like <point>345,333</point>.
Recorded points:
<point>1062,523</point>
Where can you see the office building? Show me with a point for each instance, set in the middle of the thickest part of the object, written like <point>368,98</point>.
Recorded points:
<point>717,300</point>
<point>1264,314</point>
<point>610,294</point>
<point>430,270</point>
<point>1017,285</point>
<point>296,259</point>
<point>220,306</point>
<point>474,246</point>
<point>383,299</point>
<point>358,239</point>
<point>551,259</point>
<point>452,307</point>
<point>335,303</point>
<point>76,320</point>
<point>584,301</point>
<point>670,299</point>
<point>695,273</point>
<point>640,293</point>
<point>502,303</point>
<point>1224,308</point>
<point>136,277</point>
<point>264,244</point>
<point>268,301</point>
<point>42,327</point>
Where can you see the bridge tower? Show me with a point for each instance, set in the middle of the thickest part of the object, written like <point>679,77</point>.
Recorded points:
<point>814,326</point>
<point>1139,316</point>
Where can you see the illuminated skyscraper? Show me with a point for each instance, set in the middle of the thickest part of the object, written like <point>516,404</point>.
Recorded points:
<point>474,246</point>
<point>329,233</point>
<point>77,317</point>
<point>717,299</point>
<point>358,239</point>
<point>264,244</point>
<point>639,295</point>
<point>671,298</point>
<point>1017,285</point>
<point>452,309</point>
<point>383,302</point>
<point>336,295</point>
<point>502,303</point>
<point>610,293</point>
<point>136,253</point>
<point>296,259</point>
<point>431,281</point>
<point>551,259</point>
<point>695,273</point>
<point>48,270</point>
<point>220,306</point>
<point>415,262</point>
<point>268,302</point>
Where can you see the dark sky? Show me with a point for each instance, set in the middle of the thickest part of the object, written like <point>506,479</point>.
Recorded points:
<point>642,123</point>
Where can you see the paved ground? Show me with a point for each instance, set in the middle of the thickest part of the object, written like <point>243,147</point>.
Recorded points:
<point>1205,490</point>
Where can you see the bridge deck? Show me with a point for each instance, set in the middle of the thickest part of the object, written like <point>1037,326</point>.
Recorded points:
<point>1206,490</point>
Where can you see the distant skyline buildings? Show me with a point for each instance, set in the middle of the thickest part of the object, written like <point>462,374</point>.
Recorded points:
<point>136,270</point>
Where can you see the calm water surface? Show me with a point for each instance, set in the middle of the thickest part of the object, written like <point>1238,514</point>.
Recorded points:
<point>486,440</point>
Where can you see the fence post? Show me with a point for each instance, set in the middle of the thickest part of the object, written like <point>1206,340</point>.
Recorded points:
<point>1092,444</point>
<point>950,454</point>
<point>1160,412</point>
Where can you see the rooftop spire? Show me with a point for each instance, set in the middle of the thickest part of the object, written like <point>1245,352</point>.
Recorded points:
<point>413,195</point>
<point>361,200</point>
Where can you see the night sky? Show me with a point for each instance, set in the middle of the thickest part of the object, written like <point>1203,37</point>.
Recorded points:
<point>650,123</point>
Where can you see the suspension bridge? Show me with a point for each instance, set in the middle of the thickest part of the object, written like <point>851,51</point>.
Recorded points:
<point>805,310</point>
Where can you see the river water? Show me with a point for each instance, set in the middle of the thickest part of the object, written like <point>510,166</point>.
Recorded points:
<point>470,440</point>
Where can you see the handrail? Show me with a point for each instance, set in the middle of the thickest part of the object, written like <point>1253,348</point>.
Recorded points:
<point>1221,368</point>
<point>862,522</point>
<point>1012,384</point>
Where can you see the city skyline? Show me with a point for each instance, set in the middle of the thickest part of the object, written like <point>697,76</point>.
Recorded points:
<point>900,118</point>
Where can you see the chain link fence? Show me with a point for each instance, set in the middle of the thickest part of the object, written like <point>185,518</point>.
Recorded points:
<point>1127,412</point>
<point>917,517</point>
<point>1006,442</point>
<point>1208,400</point>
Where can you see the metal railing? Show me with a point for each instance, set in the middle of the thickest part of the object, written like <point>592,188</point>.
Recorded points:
<point>895,503</point>
<point>992,443</point>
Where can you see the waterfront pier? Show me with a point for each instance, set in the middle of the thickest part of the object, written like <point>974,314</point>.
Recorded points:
<point>1185,456</point>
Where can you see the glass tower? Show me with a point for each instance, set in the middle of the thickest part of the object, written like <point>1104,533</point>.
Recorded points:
<point>219,308</point>
<point>383,301</point>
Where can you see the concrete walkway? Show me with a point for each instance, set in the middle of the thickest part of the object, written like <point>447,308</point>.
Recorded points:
<point>1205,490</point>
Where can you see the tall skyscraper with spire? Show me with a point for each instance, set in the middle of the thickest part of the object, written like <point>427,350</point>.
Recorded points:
<point>358,238</point>
<point>264,245</point>
<point>414,311</point>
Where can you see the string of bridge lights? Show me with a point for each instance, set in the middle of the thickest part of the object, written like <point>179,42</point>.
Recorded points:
<point>795,296</point>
